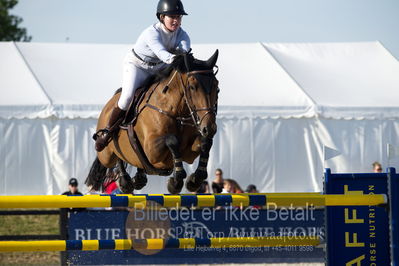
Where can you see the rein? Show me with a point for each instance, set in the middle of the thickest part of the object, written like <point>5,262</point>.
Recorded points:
<point>193,119</point>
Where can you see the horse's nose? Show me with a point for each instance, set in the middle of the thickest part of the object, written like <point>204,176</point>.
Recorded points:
<point>209,131</point>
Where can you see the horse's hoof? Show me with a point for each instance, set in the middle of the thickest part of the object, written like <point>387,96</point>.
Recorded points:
<point>127,189</point>
<point>191,185</point>
<point>175,185</point>
<point>140,180</point>
<point>126,184</point>
<point>194,182</point>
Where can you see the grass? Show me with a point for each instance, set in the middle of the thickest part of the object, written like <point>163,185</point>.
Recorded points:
<point>30,258</point>
<point>29,225</point>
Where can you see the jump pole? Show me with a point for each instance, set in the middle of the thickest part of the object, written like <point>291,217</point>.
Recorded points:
<point>272,200</point>
<point>157,244</point>
<point>354,203</point>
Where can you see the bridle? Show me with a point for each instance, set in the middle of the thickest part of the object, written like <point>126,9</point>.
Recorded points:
<point>192,119</point>
<point>197,120</point>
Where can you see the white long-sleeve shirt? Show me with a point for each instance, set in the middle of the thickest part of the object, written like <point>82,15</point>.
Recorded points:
<point>156,43</point>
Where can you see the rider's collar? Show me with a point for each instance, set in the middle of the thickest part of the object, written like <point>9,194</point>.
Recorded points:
<point>164,29</point>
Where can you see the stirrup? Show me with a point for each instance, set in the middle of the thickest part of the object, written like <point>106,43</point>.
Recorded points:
<point>102,131</point>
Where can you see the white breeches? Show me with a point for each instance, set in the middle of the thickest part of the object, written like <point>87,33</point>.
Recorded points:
<point>134,74</point>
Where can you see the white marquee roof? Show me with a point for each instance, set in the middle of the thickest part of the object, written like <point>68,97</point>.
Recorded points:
<point>278,80</point>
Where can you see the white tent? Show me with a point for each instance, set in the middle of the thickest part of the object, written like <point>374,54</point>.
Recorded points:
<point>279,105</point>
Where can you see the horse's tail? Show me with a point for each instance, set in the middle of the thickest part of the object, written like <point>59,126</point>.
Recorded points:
<point>96,175</point>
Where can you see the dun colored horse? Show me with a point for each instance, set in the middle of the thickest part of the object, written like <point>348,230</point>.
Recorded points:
<point>174,123</point>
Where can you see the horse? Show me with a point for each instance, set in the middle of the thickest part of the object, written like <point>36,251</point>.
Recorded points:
<point>174,123</point>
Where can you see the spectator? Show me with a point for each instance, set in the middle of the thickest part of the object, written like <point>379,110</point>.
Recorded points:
<point>227,186</point>
<point>217,184</point>
<point>231,186</point>
<point>377,168</point>
<point>251,189</point>
<point>110,185</point>
<point>73,191</point>
<point>73,188</point>
<point>236,187</point>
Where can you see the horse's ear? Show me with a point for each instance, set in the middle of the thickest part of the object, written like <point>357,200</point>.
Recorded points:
<point>187,62</point>
<point>211,62</point>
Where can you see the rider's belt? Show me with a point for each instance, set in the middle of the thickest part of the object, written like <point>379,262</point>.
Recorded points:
<point>148,63</point>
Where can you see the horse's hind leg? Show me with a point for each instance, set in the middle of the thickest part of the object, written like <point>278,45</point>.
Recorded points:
<point>140,179</point>
<point>125,182</point>
<point>175,183</point>
<point>194,181</point>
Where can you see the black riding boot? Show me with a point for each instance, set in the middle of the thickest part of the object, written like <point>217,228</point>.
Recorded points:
<point>103,136</point>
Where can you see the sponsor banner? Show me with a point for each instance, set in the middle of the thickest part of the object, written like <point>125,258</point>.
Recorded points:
<point>158,222</point>
<point>357,235</point>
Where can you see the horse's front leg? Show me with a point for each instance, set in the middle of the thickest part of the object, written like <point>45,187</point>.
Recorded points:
<point>195,180</point>
<point>140,179</point>
<point>175,183</point>
<point>125,182</point>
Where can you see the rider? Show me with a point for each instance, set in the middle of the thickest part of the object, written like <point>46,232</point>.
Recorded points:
<point>154,50</point>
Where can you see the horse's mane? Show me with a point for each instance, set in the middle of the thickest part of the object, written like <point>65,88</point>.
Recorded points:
<point>178,64</point>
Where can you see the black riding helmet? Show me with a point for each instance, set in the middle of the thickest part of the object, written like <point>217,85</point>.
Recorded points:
<point>170,7</point>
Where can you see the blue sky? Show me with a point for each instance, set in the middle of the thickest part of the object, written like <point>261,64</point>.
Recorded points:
<point>216,21</point>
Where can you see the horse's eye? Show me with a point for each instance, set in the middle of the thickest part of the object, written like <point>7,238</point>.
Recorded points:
<point>192,87</point>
